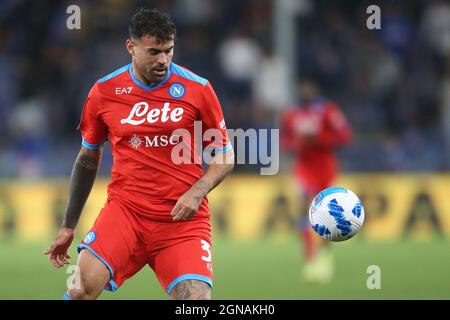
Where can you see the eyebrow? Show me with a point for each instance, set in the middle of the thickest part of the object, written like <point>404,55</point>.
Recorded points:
<point>154,50</point>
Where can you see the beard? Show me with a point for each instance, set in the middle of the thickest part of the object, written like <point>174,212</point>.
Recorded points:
<point>155,74</point>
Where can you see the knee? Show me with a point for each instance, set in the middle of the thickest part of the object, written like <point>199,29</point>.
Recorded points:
<point>86,287</point>
<point>191,290</point>
<point>81,294</point>
<point>90,277</point>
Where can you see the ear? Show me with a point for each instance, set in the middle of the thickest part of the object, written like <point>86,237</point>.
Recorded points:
<point>130,47</point>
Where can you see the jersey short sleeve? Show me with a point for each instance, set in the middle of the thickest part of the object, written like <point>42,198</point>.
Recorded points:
<point>93,130</point>
<point>213,121</point>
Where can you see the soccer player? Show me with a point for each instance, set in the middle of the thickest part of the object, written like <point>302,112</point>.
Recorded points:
<point>312,130</point>
<point>156,212</point>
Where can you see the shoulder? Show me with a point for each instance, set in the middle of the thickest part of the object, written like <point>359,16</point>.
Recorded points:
<point>104,85</point>
<point>187,76</point>
<point>99,88</point>
<point>113,78</point>
<point>196,87</point>
<point>115,74</point>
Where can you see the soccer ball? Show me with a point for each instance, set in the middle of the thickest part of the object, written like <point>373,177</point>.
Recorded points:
<point>336,214</point>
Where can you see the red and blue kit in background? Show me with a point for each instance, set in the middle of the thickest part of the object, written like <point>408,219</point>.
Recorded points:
<point>313,132</point>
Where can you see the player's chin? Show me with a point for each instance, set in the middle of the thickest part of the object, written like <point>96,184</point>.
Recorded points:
<point>158,76</point>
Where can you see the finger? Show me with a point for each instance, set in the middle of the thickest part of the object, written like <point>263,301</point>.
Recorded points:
<point>53,261</point>
<point>67,257</point>
<point>49,249</point>
<point>57,247</point>
<point>62,259</point>
<point>176,210</point>
<point>58,259</point>
<point>180,214</point>
<point>186,214</point>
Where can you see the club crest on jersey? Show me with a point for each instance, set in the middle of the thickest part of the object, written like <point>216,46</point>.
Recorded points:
<point>177,90</point>
<point>90,237</point>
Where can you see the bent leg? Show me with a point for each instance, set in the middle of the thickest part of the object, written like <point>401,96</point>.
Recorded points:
<point>91,276</point>
<point>184,266</point>
<point>191,290</point>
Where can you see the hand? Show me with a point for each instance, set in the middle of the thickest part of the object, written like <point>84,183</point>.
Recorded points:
<point>188,204</point>
<point>57,251</point>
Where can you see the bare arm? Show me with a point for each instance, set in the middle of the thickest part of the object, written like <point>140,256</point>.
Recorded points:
<point>81,182</point>
<point>221,165</point>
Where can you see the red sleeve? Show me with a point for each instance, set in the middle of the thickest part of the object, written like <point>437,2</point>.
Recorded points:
<point>213,123</point>
<point>93,130</point>
<point>338,131</point>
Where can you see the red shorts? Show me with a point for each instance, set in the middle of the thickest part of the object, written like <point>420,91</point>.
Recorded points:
<point>126,242</point>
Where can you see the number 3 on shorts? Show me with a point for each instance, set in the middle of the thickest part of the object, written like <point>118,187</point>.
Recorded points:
<point>207,248</point>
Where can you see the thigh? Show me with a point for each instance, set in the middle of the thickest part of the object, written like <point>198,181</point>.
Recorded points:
<point>185,256</point>
<point>113,240</point>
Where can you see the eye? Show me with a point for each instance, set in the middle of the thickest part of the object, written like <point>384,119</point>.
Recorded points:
<point>153,52</point>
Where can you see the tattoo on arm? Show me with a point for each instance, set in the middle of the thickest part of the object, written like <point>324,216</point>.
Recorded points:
<point>88,162</point>
<point>213,176</point>
<point>81,182</point>
<point>192,290</point>
<point>203,186</point>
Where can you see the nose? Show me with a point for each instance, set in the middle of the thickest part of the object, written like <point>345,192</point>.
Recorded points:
<point>162,58</point>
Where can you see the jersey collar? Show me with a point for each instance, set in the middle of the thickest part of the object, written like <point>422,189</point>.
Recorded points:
<point>153,86</point>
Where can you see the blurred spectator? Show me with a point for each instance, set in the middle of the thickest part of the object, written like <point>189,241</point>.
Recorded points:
<point>28,129</point>
<point>272,73</point>
<point>436,26</point>
<point>239,58</point>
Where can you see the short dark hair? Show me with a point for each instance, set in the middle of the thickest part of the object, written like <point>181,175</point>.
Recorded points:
<point>152,23</point>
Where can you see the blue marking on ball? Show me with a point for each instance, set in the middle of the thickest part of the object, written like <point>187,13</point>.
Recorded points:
<point>321,229</point>
<point>357,210</point>
<point>337,212</point>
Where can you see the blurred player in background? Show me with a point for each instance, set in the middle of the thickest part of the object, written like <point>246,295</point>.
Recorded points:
<point>312,130</point>
<point>157,212</point>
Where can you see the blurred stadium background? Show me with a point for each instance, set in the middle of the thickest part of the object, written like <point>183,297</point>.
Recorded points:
<point>393,84</point>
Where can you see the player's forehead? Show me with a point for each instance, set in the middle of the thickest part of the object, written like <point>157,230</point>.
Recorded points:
<point>150,41</point>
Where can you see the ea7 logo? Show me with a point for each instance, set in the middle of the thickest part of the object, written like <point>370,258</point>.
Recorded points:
<point>123,90</point>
